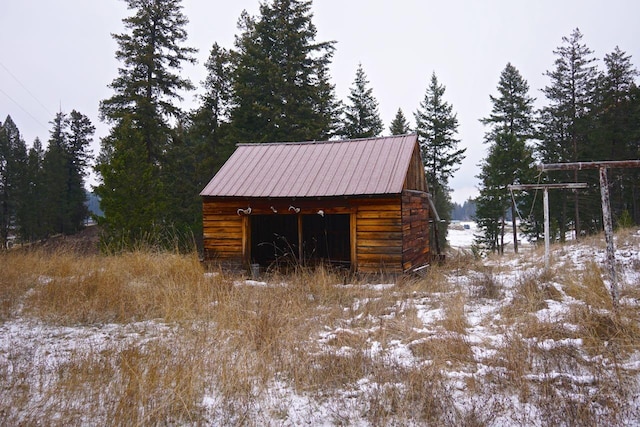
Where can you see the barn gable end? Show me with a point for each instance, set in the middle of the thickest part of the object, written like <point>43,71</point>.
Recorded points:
<point>362,204</point>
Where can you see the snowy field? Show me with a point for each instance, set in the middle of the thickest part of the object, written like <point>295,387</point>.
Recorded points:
<point>496,342</point>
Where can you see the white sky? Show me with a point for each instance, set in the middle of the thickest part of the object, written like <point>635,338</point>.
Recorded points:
<point>59,54</point>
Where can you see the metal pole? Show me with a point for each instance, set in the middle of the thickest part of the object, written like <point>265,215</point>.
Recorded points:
<point>608,235</point>
<point>546,228</point>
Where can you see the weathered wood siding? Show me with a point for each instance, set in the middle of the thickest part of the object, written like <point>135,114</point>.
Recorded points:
<point>222,232</point>
<point>379,235</point>
<point>415,179</point>
<point>388,234</point>
<point>415,229</point>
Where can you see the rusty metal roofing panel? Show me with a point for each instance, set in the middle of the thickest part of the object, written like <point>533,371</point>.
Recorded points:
<point>315,169</point>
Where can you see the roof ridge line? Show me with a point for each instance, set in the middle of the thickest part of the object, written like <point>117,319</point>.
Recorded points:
<point>329,141</point>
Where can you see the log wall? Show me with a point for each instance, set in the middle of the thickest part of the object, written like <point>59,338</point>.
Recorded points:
<point>378,231</point>
<point>388,234</point>
<point>415,229</point>
<point>222,229</point>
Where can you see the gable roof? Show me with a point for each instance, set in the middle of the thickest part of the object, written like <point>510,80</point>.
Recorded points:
<point>315,169</point>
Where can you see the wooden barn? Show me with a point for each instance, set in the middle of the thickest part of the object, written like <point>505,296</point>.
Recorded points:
<point>361,203</point>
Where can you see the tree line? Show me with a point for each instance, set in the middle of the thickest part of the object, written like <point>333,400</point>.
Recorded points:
<point>42,190</point>
<point>274,85</point>
<point>589,115</point>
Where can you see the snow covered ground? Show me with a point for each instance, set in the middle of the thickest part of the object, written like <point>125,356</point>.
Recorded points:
<point>500,342</point>
<point>461,234</point>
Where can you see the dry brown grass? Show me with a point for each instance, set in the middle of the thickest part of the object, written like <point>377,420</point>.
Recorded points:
<point>588,286</point>
<point>17,276</point>
<point>212,336</point>
<point>531,295</point>
<point>483,284</point>
<point>130,287</point>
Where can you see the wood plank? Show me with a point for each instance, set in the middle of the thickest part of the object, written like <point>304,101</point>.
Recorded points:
<point>379,214</point>
<point>391,244</point>
<point>222,232</point>
<point>379,250</point>
<point>376,208</point>
<point>377,229</point>
<point>377,260</point>
<point>225,248</point>
<point>382,234</point>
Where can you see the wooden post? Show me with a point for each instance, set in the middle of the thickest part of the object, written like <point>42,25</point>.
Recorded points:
<point>606,208</point>
<point>546,228</point>
<point>608,236</point>
<point>300,237</point>
<point>546,188</point>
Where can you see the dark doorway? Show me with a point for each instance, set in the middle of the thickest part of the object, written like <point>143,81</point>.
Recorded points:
<point>274,238</point>
<point>325,238</point>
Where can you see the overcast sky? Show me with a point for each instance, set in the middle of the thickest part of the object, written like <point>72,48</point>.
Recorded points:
<point>59,54</point>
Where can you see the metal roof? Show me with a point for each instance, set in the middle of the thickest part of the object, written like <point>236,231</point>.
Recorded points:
<point>315,169</point>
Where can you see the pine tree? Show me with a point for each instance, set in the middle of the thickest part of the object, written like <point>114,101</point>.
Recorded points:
<point>13,157</point>
<point>149,81</point>
<point>55,170</point>
<point>399,125</point>
<point>565,120</point>
<point>361,117</point>
<point>32,217</point>
<point>129,200</point>
<point>616,130</point>
<point>63,171</point>
<point>147,92</point>
<point>80,136</point>
<point>209,126</point>
<point>280,84</point>
<point>437,125</point>
<point>511,125</point>
<point>183,178</point>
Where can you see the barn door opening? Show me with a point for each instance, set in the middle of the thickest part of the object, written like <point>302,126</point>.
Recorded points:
<point>326,238</point>
<point>274,239</point>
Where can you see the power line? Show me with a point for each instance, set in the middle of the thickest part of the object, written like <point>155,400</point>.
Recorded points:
<point>26,89</point>
<point>23,109</point>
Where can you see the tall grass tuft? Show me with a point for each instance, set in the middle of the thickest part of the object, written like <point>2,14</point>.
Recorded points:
<point>133,286</point>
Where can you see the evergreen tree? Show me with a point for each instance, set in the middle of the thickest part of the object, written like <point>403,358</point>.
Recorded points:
<point>129,200</point>
<point>329,109</point>
<point>361,117</point>
<point>511,125</point>
<point>280,85</point>
<point>55,171</point>
<point>63,169</point>
<point>80,136</point>
<point>399,125</point>
<point>616,130</point>
<point>13,157</point>
<point>209,126</point>
<point>437,125</point>
<point>183,178</point>
<point>32,216</point>
<point>565,122</point>
<point>147,90</point>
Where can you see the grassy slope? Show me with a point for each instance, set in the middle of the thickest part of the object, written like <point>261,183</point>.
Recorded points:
<point>151,338</point>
